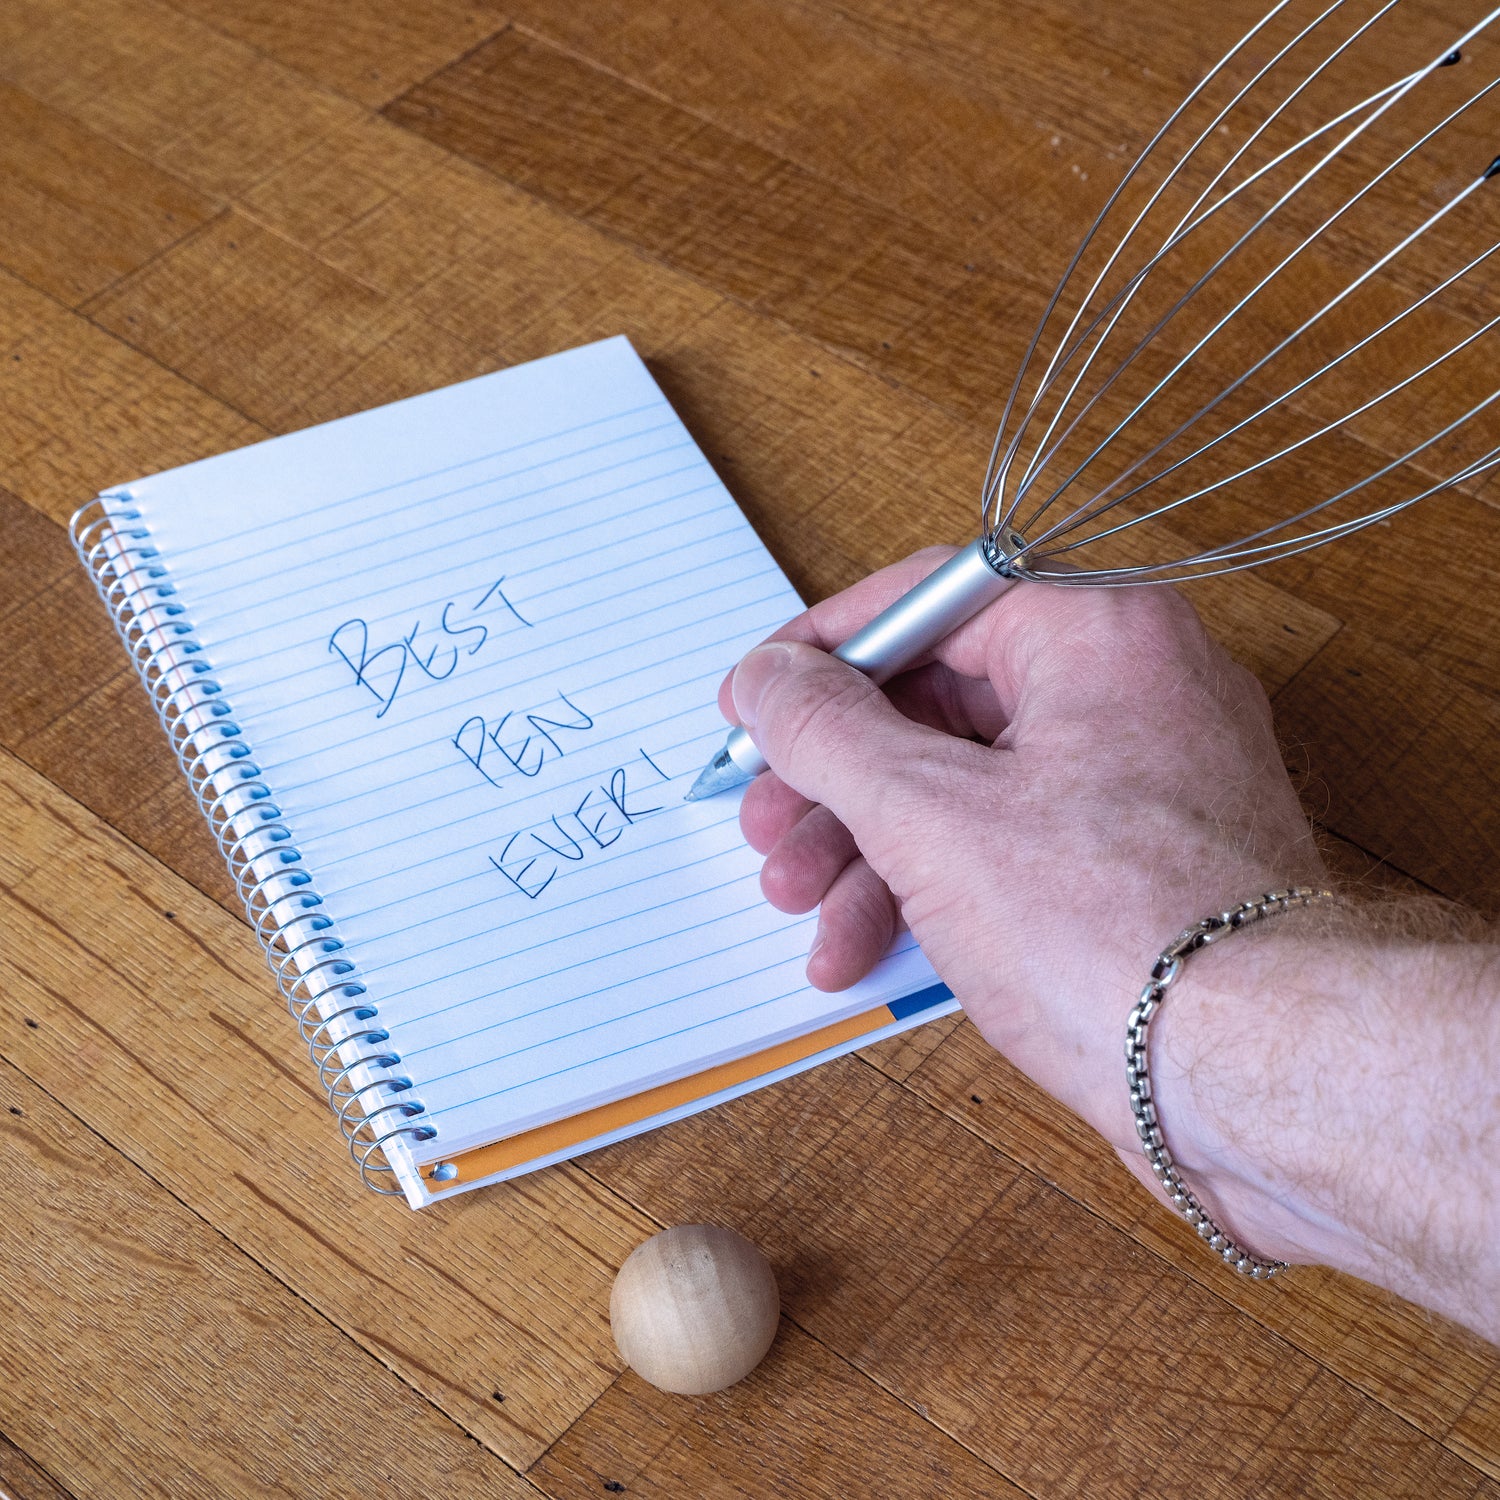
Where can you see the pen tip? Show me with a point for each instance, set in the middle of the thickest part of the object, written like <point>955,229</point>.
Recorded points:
<point>719,775</point>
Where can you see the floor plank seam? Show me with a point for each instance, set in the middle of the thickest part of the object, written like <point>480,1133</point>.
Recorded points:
<point>546,1452</point>
<point>813,173</point>
<point>234,911</point>
<point>1285,1339</point>
<point>221,1233</point>
<point>100,293</point>
<point>63,1492</point>
<point>235,208</point>
<point>229,211</point>
<point>916,1408</point>
<point>1287,685</point>
<point>122,674</point>
<point>145,161</point>
<point>321,85</point>
<point>203,390</point>
<point>239,1249</point>
<point>887,210</point>
<point>453,62</point>
<point>1380,862</point>
<point>842,355</point>
<point>903,1084</point>
<point>79,313</point>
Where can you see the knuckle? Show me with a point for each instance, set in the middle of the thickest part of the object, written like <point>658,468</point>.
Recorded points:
<point>1165,624</point>
<point>1156,635</point>
<point>864,904</point>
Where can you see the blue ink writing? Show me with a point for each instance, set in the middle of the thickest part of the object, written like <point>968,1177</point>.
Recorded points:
<point>520,742</point>
<point>531,860</point>
<point>383,681</point>
<point>435,654</point>
<point>495,590</point>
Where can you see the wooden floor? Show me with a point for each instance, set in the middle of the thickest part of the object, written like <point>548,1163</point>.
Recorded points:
<point>827,227</point>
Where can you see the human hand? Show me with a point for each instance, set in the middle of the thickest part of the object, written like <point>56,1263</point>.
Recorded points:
<point>1074,776</point>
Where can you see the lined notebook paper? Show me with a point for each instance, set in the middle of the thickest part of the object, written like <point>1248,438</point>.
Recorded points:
<point>444,671</point>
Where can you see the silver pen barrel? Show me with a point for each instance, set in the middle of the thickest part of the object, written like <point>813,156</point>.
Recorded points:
<point>895,638</point>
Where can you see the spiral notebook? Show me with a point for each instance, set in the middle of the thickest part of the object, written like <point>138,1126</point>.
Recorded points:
<point>439,675</point>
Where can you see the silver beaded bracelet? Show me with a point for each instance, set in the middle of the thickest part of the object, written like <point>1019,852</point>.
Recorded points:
<point>1164,974</point>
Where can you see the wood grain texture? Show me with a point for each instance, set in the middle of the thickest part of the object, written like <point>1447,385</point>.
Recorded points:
<point>369,51</point>
<point>1417,1365</point>
<point>1473,1434</point>
<point>1395,745</point>
<point>72,707</point>
<point>262,324</point>
<point>21,1479</point>
<point>804,1423</point>
<point>828,230</point>
<point>79,410</point>
<point>492,1307</point>
<point>901,287</point>
<point>80,211</point>
<point>153,1348</point>
<point>1052,1344</point>
<point>144,1009</point>
<point>212,111</point>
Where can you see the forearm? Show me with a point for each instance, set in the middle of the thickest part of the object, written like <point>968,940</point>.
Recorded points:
<point>1337,1095</point>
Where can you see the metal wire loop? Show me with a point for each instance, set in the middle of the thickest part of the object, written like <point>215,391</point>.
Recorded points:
<point>1198,357</point>
<point>281,903</point>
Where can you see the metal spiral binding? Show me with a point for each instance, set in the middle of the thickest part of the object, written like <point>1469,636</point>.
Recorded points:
<point>356,1066</point>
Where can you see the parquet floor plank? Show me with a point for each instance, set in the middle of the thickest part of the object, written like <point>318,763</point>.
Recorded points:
<point>1420,1366</point>
<point>711,194</point>
<point>369,51</point>
<point>804,1422</point>
<point>144,1009</point>
<point>80,410</point>
<point>1395,745</point>
<point>20,1479</point>
<point>493,1307</point>
<point>212,111</point>
<point>80,211</point>
<point>154,1348</point>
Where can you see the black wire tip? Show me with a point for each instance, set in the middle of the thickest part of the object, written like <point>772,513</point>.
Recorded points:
<point>1493,170</point>
<point>1456,55</point>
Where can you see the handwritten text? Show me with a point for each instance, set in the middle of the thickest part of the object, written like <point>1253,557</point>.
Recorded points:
<point>519,742</point>
<point>531,860</point>
<point>426,651</point>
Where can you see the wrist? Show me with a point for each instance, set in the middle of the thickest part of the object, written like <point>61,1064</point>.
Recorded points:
<point>1232,1095</point>
<point>1324,1092</point>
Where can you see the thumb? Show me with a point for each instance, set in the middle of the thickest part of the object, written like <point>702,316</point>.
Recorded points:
<point>831,734</point>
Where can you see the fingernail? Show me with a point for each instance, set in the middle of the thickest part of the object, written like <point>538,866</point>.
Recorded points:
<point>754,675</point>
<point>812,953</point>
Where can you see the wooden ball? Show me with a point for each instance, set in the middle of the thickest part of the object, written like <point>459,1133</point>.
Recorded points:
<point>694,1309</point>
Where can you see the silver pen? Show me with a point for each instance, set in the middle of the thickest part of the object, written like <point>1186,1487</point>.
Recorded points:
<point>895,638</point>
